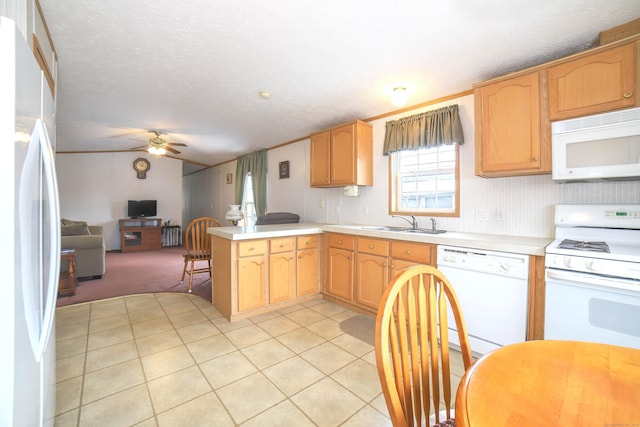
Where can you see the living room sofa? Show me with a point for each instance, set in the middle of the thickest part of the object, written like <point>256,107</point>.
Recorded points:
<point>89,244</point>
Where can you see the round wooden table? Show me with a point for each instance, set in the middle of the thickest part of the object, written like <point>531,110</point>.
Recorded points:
<point>552,383</point>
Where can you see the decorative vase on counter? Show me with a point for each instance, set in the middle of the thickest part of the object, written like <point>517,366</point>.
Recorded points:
<point>234,214</point>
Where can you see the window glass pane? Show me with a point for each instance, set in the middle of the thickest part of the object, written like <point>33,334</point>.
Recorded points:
<point>248,205</point>
<point>425,180</point>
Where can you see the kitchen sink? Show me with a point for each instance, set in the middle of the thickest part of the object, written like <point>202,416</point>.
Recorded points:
<point>384,228</point>
<point>404,229</point>
<point>424,231</point>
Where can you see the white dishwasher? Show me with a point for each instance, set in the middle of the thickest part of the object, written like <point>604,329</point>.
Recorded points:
<point>492,288</point>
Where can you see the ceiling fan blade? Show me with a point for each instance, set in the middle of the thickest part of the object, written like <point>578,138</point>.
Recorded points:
<point>142,146</point>
<point>177,144</point>
<point>173,150</point>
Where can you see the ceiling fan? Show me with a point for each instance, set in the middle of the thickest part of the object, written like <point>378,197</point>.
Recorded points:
<point>158,146</point>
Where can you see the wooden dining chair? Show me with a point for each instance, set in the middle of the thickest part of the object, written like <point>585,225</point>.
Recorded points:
<point>198,247</point>
<point>412,346</point>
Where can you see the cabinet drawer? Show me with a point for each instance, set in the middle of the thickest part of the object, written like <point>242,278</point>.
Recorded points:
<point>341,241</point>
<point>284,244</point>
<point>252,247</point>
<point>307,242</point>
<point>373,246</point>
<point>416,252</point>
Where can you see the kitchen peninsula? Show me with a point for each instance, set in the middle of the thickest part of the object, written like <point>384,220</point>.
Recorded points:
<point>265,268</point>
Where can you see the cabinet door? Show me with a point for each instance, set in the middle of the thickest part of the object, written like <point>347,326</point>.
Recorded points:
<point>509,133</point>
<point>399,266</point>
<point>281,268</point>
<point>320,159</point>
<point>596,83</point>
<point>251,282</point>
<point>340,274</point>
<point>307,272</point>
<point>372,279</point>
<point>343,155</point>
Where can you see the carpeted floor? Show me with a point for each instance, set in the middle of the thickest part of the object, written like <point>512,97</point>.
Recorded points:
<point>139,272</point>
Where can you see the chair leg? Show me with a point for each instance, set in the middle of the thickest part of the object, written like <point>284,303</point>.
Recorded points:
<point>191,276</point>
<point>184,270</point>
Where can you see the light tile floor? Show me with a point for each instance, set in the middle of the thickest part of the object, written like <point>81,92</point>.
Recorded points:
<point>171,359</point>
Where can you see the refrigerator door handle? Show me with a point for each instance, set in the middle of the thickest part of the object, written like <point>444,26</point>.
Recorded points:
<point>39,308</point>
<point>54,234</point>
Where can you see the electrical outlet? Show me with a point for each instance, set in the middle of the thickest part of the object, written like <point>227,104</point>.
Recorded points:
<point>321,203</point>
<point>482,214</point>
<point>500,214</point>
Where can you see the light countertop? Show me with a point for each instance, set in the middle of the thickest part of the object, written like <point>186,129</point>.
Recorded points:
<point>493,242</point>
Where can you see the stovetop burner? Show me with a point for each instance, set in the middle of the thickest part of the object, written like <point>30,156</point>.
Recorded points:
<point>584,246</point>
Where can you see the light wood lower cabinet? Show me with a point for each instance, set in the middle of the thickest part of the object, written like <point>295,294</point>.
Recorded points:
<point>360,268</point>
<point>372,270</point>
<point>252,268</point>
<point>281,270</point>
<point>251,277</point>
<point>307,279</point>
<point>340,266</point>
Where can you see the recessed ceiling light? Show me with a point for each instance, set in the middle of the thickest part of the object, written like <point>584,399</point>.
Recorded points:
<point>264,94</point>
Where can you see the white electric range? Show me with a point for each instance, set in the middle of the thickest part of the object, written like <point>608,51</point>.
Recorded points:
<point>593,275</point>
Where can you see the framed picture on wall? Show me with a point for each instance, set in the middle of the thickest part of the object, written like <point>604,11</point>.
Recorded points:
<point>229,178</point>
<point>284,169</point>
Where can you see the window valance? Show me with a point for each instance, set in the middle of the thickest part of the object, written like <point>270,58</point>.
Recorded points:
<point>430,129</point>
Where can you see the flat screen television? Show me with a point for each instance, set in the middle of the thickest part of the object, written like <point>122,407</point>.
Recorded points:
<point>142,208</point>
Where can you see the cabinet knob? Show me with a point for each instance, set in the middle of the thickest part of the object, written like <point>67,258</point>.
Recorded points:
<point>350,257</point>
<point>281,245</point>
<point>535,158</point>
<point>339,242</point>
<point>627,94</point>
<point>384,264</point>
<point>408,252</point>
<point>370,246</point>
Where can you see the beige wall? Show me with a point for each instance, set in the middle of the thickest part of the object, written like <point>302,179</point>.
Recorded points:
<point>95,188</point>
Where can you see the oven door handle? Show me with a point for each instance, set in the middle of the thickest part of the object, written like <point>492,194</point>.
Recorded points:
<point>592,279</point>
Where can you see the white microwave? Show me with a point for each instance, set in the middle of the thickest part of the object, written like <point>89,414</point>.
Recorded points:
<point>599,147</point>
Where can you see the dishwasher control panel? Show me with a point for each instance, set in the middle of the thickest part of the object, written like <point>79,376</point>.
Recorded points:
<point>500,263</point>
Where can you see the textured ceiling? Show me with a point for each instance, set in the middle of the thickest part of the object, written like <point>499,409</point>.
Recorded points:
<point>195,67</point>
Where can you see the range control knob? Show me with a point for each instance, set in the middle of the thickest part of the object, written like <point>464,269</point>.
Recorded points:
<point>567,262</point>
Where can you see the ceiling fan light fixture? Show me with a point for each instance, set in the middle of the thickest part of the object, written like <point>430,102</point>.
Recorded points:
<point>399,97</point>
<point>157,151</point>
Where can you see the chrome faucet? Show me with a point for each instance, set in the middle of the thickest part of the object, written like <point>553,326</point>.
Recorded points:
<point>433,224</point>
<point>413,221</point>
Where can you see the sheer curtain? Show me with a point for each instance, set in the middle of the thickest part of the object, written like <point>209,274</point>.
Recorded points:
<point>256,163</point>
<point>430,129</point>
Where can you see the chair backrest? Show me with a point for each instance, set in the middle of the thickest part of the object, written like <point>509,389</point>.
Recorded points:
<point>196,238</point>
<point>412,344</point>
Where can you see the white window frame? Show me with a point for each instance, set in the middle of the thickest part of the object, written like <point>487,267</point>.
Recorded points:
<point>437,171</point>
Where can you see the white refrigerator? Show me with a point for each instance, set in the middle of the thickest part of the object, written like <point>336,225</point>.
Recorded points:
<point>29,239</point>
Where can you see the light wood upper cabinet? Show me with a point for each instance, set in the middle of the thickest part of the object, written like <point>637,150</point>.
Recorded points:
<point>594,83</point>
<point>342,156</point>
<point>512,129</point>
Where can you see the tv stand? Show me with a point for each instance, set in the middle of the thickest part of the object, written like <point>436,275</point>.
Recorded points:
<point>140,234</point>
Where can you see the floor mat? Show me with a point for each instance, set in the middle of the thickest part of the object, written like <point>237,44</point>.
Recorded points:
<point>361,327</point>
